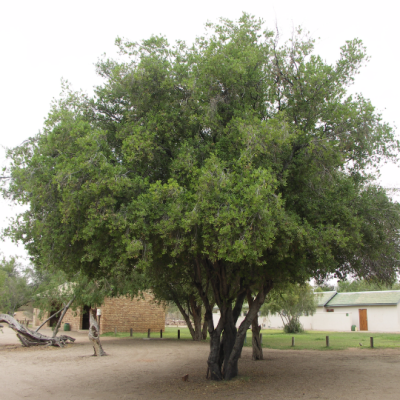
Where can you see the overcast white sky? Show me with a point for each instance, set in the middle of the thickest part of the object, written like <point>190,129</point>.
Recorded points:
<point>44,41</point>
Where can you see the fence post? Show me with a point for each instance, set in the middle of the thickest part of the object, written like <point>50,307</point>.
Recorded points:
<point>115,331</point>
<point>292,341</point>
<point>148,333</point>
<point>179,333</point>
<point>327,341</point>
<point>160,333</point>
<point>131,331</point>
<point>371,340</point>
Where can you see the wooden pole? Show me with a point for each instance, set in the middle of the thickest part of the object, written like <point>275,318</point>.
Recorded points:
<point>327,341</point>
<point>160,333</point>
<point>115,331</point>
<point>371,340</point>
<point>292,341</point>
<point>148,333</point>
<point>131,332</point>
<point>179,333</point>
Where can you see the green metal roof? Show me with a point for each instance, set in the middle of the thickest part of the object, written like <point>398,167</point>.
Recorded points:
<point>386,297</point>
<point>323,297</point>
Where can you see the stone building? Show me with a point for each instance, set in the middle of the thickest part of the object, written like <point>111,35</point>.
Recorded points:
<point>122,313</point>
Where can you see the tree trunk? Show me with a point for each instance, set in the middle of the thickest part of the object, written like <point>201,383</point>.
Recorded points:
<point>231,368</point>
<point>51,316</point>
<point>196,315</point>
<point>255,331</point>
<point>62,316</point>
<point>195,311</point>
<point>204,329</point>
<point>30,338</point>
<point>94,336</point>
<point>256,341</point>
<point>228,341</point>
<point>213,361</point>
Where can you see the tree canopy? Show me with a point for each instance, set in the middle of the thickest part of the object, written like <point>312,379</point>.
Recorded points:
<point>236,162</point>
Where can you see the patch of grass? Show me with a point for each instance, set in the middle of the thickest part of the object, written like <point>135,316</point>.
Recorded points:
<point>315,340</point>
<point>276,339</point>
<point>169,333</point>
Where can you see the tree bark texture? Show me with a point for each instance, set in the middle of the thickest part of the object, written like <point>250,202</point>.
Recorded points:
<point>204,329</point>
<point>194,310</point>
<point>30,338</point>
<point>94,336</point>
<point>255,331</point>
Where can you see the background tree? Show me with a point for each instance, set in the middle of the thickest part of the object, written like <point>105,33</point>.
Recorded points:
<point>15,288</point>
<point>237,163</point>
<point>363,285</point>
<point>291,302</point>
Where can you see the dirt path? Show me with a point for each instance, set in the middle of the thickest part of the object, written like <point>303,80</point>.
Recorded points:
<point>141,369</point>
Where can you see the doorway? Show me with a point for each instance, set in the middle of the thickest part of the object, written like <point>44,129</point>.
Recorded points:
<point>363,319</point>
<point>85,317</point>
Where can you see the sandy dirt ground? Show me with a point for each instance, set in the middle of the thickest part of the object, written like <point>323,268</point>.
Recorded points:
<point>152,369</point>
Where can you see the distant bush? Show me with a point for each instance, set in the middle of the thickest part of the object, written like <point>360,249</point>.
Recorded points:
<point>294,326</point>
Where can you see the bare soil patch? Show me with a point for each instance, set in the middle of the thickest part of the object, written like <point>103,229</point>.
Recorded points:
<point>152,369</point>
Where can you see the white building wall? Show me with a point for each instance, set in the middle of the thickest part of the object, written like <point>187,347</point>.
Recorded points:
<point>324,321</point>
<point>380,319</point>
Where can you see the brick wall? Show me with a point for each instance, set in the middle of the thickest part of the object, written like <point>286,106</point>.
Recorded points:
<point>74,318</point>
<point>121,313</point>
<point>139,314</point>
<point>38,321</point>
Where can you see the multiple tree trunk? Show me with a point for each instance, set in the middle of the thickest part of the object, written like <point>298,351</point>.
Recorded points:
<point>226,341</point>
<point>31,338</point>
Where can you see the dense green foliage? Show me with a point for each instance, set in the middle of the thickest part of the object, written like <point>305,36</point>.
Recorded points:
<point>15,288</point>
<point>234,164</point>
<point>362,285</point>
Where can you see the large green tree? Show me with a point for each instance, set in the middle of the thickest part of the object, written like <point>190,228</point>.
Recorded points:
<point>236,162</point>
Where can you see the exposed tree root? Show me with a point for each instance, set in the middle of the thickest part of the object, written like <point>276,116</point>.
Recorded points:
<point>30,338</point>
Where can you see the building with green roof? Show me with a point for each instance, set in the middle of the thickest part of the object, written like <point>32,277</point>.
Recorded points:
<point>368,311</point>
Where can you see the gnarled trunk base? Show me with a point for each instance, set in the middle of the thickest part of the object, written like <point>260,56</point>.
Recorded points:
<point>256,341</point>
<point>30,338</point>
<point>94,336</point>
